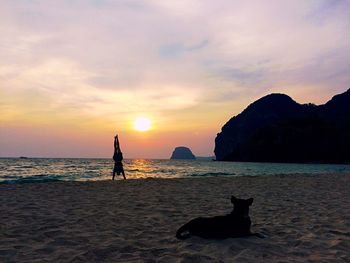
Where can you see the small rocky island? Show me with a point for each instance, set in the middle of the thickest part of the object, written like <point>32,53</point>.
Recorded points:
<point>275,128</point>
<point>183,153</point>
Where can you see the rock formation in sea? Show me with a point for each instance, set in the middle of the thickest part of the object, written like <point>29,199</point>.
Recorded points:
<point>275,128</point>
<point>182,152</point>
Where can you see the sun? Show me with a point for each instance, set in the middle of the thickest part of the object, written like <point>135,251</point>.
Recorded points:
<point>142,124</point>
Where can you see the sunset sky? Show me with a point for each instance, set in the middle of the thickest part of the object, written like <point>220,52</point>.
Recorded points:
<point>74,72</point>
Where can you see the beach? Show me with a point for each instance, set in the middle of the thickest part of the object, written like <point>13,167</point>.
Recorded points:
<point>304,218</point>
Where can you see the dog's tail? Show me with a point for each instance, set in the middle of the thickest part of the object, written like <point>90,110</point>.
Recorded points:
<point>258,235</point>
<point>180,232</point>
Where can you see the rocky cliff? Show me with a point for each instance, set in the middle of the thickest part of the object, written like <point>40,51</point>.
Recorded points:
<point>275,128</point>
<point>182,153</point>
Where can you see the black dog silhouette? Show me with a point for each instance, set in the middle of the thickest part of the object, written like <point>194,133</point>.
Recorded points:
<point>236,224</point>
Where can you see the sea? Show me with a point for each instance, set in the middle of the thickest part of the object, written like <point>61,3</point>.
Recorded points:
<point>36,170</point>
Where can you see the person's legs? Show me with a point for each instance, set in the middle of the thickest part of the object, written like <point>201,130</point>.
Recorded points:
<point>123,173</point>
<point>115,143</point>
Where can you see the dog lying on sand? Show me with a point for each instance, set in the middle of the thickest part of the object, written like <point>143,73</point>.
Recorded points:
<point>236,224</point>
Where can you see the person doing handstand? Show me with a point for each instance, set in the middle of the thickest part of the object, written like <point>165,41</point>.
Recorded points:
<point>118,158</point>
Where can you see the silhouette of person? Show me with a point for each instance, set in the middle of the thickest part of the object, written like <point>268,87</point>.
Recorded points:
<point>118,158</point>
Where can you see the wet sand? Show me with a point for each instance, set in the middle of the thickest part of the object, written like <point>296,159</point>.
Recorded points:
<point>305,218</point>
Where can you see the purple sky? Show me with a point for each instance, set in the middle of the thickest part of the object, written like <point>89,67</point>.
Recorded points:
<point>72,73</point>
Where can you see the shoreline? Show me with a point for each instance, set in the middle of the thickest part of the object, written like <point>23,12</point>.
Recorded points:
<point>29,181</point>
<point>305,217</point>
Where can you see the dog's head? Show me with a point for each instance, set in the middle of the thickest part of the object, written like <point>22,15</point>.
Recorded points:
<point>241,206</point>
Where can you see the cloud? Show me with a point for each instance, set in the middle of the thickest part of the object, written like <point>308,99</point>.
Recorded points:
<point>115,58</point>
<point>178,49</point>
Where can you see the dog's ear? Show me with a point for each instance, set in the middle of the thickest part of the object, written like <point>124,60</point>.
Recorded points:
<point>233,199</point>
<point>250,201</point>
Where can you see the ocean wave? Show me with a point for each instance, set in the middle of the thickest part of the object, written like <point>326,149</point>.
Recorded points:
<point>15,171</point>
<point>211,174</point>
<point>133,170</point>
<point>25,167</point>
<point>30,179</point>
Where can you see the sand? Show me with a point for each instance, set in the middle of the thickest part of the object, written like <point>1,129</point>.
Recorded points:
<point>306,218</point>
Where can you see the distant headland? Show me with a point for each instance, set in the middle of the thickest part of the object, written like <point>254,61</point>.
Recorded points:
<point>275,128</point>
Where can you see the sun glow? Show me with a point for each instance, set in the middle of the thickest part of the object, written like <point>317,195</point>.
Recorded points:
<point>142,124</point>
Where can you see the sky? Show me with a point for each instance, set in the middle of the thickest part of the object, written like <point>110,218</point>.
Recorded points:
<point>73,73</point>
